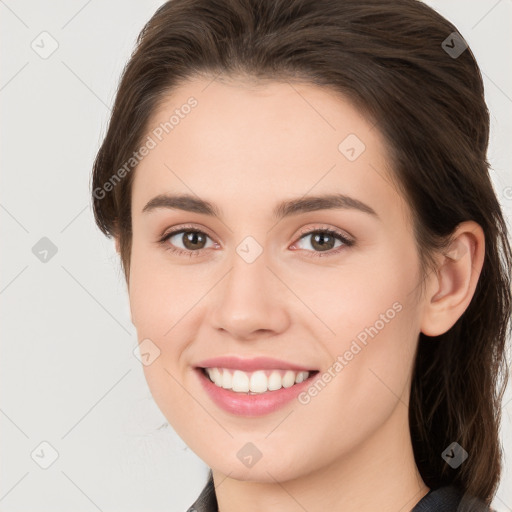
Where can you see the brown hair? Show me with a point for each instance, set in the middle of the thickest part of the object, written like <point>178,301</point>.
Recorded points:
<point>389,59</point>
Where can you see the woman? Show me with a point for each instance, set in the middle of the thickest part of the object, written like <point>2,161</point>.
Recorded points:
<point>317,265</point>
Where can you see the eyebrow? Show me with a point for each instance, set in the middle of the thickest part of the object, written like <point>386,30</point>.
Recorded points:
<point>286,208</point>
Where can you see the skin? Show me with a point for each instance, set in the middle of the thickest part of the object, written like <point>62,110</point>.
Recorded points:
<point>349,448</point>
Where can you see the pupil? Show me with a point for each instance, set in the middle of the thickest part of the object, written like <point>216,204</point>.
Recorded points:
<point>319,241</point>
<point>192,239</point>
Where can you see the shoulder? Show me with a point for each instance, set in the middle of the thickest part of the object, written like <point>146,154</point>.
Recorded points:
<point>442,499</point>
<point>450,499</point>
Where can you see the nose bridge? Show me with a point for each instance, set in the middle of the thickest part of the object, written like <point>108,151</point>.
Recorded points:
<point>249,299</point>
<point>248,263</point>
<point>249,276</point>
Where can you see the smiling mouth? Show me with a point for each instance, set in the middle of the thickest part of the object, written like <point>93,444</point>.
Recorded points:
<point>255,382</point>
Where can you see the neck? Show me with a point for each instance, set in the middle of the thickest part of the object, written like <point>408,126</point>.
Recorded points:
<point>379,474</point>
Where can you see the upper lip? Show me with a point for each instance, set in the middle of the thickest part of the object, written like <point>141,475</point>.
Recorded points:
<point>256,363</point>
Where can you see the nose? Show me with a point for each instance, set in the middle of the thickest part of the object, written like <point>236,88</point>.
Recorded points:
<point>250,302</point>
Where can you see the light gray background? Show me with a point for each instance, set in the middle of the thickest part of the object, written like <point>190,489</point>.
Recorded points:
<point>68,373</point>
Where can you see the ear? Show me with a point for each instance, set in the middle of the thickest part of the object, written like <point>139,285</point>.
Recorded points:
<point>451,288</point>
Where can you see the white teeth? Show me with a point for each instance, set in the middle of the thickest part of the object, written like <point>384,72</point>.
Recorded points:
<point>216,376</point>
<point>275,381</point>
<point>240,381</point>
<point>259,381</point>
<point>288,379</point>
<point>227,380</point>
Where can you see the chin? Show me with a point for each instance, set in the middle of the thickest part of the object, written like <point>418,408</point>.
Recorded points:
<point>264,472</point>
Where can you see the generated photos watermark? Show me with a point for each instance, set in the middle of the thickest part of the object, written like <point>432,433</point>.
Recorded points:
<point>151,142</point>
<point>342,360</point>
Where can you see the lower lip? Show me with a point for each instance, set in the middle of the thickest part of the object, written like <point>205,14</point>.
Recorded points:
<point>243,404</point>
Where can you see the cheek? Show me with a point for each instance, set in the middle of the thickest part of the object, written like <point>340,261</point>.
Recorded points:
<point>166,306</point>
<point>159,300</point>
<point>367,288</point>
<point>379,331</point>
<point>374,318</point>
<point>368,378</point>
<point>158,293</point>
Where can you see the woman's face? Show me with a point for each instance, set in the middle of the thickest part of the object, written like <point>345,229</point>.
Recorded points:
<point>254,284</point>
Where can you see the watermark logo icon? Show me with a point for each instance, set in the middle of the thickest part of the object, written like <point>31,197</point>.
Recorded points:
<point>351,147</point>
<point>45,45</point>
<point>44,455</point>
<point>146,352</point>
<point>44,250</point>
<point>454,455</point>
<point>454,45</point>
<point>249,249</point>
<point>249,455</point>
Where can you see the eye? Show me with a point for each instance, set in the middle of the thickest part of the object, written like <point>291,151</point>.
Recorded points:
<point>323,242</point>
<point>192,241</point>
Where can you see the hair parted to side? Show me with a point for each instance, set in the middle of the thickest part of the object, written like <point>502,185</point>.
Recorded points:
<point>387,58</point>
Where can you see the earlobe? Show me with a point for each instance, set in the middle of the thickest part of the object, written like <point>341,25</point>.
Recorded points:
<point>452,287</point>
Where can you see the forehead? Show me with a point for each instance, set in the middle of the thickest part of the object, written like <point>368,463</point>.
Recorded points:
<point>261,142</point>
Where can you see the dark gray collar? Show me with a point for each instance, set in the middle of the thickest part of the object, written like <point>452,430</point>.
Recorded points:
<point>207,501</point>
<point>443,499</point>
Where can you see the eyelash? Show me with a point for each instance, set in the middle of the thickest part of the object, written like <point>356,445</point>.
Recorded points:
<point>315,254</point>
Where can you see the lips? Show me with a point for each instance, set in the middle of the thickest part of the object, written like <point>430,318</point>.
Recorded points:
<point>264,399</point>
